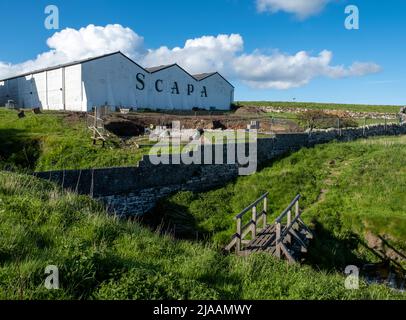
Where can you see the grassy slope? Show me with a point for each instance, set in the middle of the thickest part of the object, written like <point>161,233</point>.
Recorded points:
<point>348,189</point>
<point>52,141</point>
<point>100,257</point>
<point>324,106</point>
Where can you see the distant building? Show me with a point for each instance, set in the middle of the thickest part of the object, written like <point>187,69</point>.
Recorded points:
<point>117,81</point>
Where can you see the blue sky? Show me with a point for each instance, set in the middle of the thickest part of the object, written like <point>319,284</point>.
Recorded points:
<point>380,41</point>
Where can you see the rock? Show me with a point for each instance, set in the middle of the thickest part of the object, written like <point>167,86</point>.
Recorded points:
<point>36,111</point>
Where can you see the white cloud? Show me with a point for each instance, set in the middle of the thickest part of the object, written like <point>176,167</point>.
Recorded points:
<point>283,71</point>
<point>201,54</point>
<point>70,45</point>
<point>223,53</point>
<point>301,8</point>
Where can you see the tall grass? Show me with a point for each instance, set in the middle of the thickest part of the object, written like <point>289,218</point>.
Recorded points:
<point>348,189</point>
<point>52,141</point>
<point>101,257</point>
<point>323,106</point>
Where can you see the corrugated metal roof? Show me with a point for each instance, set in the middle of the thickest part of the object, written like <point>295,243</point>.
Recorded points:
<point>159,68</point>
<point>64,65</point>
<point>202,76</point>
<point>198,77</point>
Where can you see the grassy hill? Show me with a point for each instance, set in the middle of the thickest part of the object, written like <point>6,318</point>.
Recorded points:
<point>100,257</point>
<point>323,106</point>
<point>52,141</point>
<point>349,190</point>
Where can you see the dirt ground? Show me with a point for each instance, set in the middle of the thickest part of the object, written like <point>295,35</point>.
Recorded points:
<point>133,124</point>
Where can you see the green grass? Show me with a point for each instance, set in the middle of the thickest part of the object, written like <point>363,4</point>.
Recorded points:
<point>324,106</point>
<point>52,141</point>
<point>348,189</point>
<point>361,121</point>
<point>100,257</point>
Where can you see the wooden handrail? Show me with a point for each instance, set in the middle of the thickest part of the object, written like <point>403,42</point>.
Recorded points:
<point>251,226</point>
<point>280,238</point>
<point>242,213</point>
<point>289,208</point>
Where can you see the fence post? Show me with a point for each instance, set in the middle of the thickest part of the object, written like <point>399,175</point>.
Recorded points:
<point>297,208</point>
<point>238,244</point>
<point>365,126</point>
<point>277,240</point>
<point>289,217</point>
<point>265,211</point>
<point>254,221</point>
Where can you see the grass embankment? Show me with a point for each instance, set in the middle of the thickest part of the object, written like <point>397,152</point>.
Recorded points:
<point>348,189</point>
<point>100,257</point>
<point>323,106</point>
<point>52,141</point>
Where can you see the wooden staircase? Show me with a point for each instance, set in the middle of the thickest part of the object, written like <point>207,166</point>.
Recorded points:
<point>288,237</point>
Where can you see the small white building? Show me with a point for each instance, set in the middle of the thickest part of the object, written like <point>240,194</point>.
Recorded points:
<point>117,81</point>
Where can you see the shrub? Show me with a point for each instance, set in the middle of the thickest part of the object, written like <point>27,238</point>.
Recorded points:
<point>318,119</point>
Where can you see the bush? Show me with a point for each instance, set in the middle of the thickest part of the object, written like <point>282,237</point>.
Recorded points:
<point>318,119</point>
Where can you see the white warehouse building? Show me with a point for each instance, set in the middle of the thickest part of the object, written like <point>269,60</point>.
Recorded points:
<point>116,81</point>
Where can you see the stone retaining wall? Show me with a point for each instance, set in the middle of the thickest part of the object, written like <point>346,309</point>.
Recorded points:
<point>135,190</point>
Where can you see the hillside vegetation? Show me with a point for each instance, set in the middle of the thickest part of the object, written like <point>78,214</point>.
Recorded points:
<point>323,106</point>
<point>52,141</point>
<point>100,257</point>
<point>348,189</point>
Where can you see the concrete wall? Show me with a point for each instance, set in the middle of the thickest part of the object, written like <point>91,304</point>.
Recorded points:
<point>135,190</point>
<point>112,81</point>
<point>116,81</point>
<point>3,93</point>
<point>57,89</point>
<point>221,93</point>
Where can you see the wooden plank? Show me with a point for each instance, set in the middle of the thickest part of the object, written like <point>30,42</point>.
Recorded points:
<point>238,242</point>
<point>297,209</point>
<point>254,221</point>
<point>265,212</point>
<point>303,245</point>
<point>287,253</point>
<point>311,235</point>
<point>278,238</point>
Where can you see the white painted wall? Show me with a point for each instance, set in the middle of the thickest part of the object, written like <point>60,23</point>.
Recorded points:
<point>118,82</point>
<point>3,94</point>
<point>112,81</point>
<point>73,88</point>
<point>220,93</point>
<point>169,98</point>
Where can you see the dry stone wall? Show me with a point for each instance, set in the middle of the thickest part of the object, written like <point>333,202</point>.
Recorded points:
<point>134,191</point>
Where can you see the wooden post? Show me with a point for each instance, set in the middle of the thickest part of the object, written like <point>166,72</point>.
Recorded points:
<point>289,217</point>
<point>254,221</point>
<point>365,127</point>
<point>238,244</point>
<point>297,208</point>
<point>265,210</point>
<point>277,240</point>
